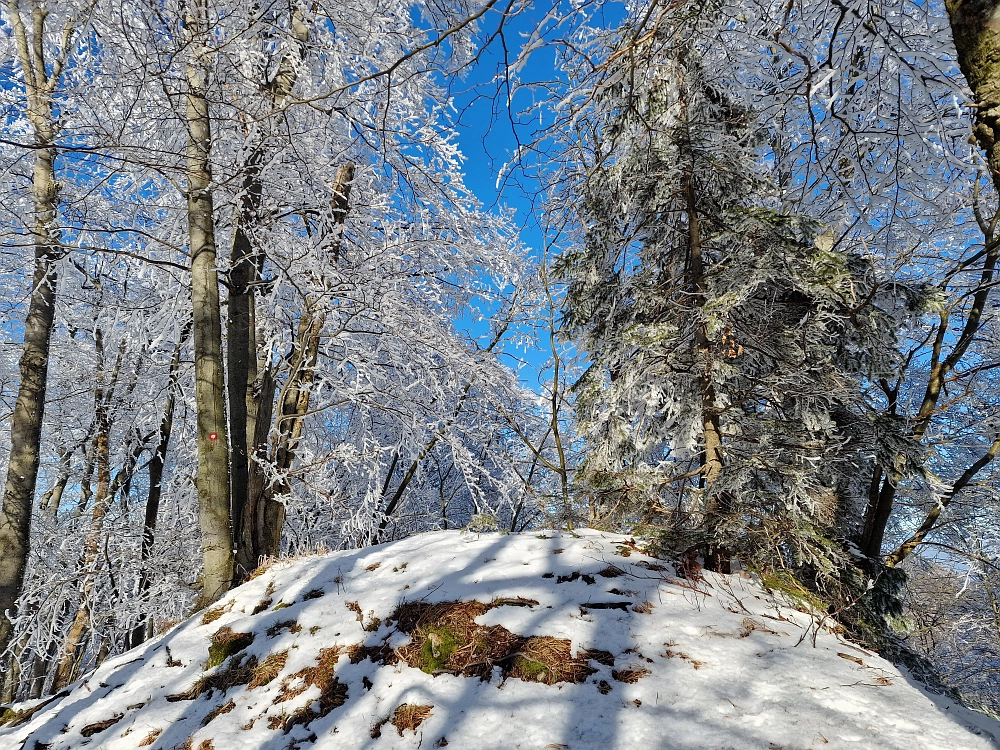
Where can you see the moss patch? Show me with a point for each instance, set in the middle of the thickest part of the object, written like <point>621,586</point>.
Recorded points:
<point>226,643</point>
<point>445,639</point>
<point>790,586</point>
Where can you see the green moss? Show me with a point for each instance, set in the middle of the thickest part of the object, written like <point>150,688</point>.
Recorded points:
<point>281,605</point>
<point>791,587</point>
<point>439,643</point>
<point>7,716</point>
<point>224,644</point>
<point>529,670</point>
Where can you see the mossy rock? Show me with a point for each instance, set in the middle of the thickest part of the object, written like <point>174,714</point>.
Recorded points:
<point>7,715</point>
<point>224,644</point>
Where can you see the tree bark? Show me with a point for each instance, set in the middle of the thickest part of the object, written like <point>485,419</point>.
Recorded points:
<point>246,261</point>
<point>40,82</point>
<point>716,558</point>
<point>210,396</point>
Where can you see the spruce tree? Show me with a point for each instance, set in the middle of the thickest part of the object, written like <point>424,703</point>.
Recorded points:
<point>729,341</point>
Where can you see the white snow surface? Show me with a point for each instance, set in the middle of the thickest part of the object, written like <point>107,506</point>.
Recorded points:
<point>728,665</point>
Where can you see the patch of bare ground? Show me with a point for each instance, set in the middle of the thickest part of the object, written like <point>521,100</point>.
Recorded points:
<point>16,718</point>
<point>291,626</point>
<point>630,674</point>
<point>99,726</point>
<point>238,672</point>
<point>225,708</point>
<point>445,639</point>
<point>150,738</point>
<point>332,692</point>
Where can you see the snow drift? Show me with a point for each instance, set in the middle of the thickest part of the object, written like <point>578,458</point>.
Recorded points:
<point>539,640</point>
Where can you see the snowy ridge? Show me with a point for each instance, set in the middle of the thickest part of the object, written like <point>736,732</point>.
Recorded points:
<point>666,663</point>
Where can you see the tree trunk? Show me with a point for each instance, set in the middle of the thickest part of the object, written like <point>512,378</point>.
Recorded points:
<point>210,398</point>
<point>977,43</point>
<point>246,261</point>
<point>711,458</point>
<point>102,501</point>
<point>264,515</point>
<point>241,348</point>
<point>156,464</point>
<point>26,423</point>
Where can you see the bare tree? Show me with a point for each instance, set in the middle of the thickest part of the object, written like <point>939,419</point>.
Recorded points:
<point>42,70</point>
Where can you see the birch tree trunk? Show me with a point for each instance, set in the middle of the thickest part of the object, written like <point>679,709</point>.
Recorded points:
<point>210,396</point>
<point>40,81</point>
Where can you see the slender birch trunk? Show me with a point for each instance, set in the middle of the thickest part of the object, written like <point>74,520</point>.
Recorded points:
<point>102,501</point>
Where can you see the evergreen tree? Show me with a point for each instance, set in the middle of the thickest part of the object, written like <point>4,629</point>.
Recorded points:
<point>728,341</point>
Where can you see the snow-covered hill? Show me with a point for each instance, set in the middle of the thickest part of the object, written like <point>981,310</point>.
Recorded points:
<point>531,641</point>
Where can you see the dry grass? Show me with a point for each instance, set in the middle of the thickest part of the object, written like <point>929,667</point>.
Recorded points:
<point>213,614</point>
<point>612,571</point>
<point>643,608</point>
<point>225,708</point>
<point>290,625</point>
<point>268,670</point>
<point>206,745</point>
<point>332,692</point>
<point>549,660</point>
<point>99,726</point>
<point>409,716</point>
<point>150,738</point>
<point>631,674</point>
<point>248,672</point>
<point>262,605</point>
<point>373,566</point>
<point>669,654</point>
<point>356,609</point>
<point>237,673</point>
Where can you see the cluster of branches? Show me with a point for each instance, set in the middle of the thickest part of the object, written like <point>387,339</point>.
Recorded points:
<point>240,264</point>
<point>778,225</point>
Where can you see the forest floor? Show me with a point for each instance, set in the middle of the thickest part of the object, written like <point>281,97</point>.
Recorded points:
<point>534,641</point>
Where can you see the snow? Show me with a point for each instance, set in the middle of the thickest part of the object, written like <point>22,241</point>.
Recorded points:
<point>728,664</point>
